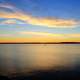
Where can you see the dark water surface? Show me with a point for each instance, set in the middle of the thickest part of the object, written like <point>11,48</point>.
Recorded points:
<point>38,56</point>
<point>26,58</point>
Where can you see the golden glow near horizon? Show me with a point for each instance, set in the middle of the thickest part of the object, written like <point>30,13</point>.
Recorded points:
<point>39,37</point>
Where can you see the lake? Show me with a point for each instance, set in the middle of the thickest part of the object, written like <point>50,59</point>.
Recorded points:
<point>30,57</point>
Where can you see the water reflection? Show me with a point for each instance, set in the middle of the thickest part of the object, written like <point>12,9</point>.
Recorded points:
<point>28,57</point>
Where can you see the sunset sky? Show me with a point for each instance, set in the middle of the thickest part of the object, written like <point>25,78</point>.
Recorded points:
<point>39,20</point>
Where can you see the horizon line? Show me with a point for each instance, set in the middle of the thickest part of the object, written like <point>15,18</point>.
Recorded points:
<point>39,42</point>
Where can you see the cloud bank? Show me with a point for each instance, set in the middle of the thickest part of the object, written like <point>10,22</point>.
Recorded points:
<point>42,35</point>
<point>12,21</point>
<point>46,34</point>
<point>39,21</point>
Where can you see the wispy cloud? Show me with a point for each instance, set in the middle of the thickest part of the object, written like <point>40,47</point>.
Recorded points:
<point>40,21</point>
<point>46,34</point>
<point>6,5</point>
<point>40,34</point>
<point>32,34</point>
<point>6,35</point>
<point>12,21</point>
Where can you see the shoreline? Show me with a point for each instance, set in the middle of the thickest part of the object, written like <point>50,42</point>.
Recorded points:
<point>40,43</point>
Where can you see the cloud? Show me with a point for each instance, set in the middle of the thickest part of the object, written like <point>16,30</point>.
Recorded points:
<point>6,5</point>
<point>57,23</point>
<point>40,34</point>
<point>5,35</point>
<point>46,34</point>
<point>39,21</point>
<point>12,21</point>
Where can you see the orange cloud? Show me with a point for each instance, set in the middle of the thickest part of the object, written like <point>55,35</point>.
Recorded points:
<point>45,22</point>
<point>57,23</point>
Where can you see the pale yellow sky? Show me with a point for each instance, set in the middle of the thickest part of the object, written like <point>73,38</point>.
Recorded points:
<point>34,39</point>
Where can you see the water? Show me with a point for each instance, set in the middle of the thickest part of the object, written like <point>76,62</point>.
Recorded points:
<point>29,57</point>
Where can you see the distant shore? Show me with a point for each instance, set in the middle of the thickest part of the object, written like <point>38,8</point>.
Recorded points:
<point>40,43</point>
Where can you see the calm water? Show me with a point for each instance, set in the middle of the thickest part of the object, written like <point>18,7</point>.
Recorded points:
<point>28,57</point>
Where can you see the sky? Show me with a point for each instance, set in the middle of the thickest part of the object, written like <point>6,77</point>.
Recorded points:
<point>39,21</point>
